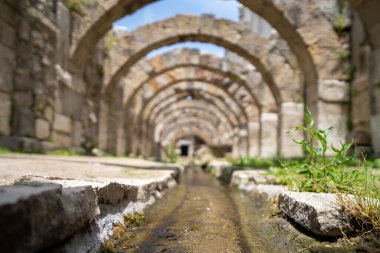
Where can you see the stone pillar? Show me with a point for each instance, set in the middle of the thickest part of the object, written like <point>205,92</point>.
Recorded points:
<point>158,151</point>
<point>243,142</point>
<point>9,18</point>
<point>375,118</point>
<point>235,143</point>
<point>333,109</point>
<point>254,139</point>
<point>120,139</point>
<point>269,136</point>
<point>291,116</point>
<point>103,125</point>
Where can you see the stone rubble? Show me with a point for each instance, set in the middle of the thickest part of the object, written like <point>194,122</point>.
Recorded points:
<point>319,213</point>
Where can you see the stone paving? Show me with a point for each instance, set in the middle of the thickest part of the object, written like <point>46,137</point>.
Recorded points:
<point>131,171</point>
<point>68,194</point>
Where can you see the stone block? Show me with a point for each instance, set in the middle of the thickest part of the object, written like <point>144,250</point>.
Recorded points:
<point>334,91</point>
<point>46,146</point>
<point>42,129</point>
<point>5,113</point>
<point>24,122</point>
<point>375,126</point>
<point>333,115</point>
<point>292,116</point>
<point>7,64</point>
<point>7,34</point>
<point>76,135</point>
<point>49,113</point>
<point>10,142</point>
<point>115,194</point>
<point>62,123</point>
<point>61,140</point>
<point>253,176</point>
<point>29,213</point>
<point>269,135</point>
<point>23,99</point>
<point>80,208</point>
<point>40,215</point>
<point>29,145</point>
<point>319,213</point>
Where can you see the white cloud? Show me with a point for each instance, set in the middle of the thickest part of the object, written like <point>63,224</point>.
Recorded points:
<point>120,29</point>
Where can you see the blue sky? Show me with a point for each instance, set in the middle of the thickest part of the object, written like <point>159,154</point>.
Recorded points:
<point>168,8</point>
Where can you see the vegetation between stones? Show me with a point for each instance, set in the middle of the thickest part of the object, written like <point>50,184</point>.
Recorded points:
<point>355,183</point>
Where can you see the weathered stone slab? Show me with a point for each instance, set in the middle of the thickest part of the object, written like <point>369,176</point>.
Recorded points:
<point>5,112</point>
<point>42,129</point>
<point>319,213</point>
<point>38,214</point>
<point>29,213</point>
<point>252,176</point>
<point>62,123</point>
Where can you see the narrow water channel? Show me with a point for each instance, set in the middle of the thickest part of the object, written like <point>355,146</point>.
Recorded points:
<point>201,215</point>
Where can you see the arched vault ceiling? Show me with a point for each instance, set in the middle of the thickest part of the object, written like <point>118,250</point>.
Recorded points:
<point>185,113</point>
<point>255,49</point>
<point>205,100</point>
<point>197,86</point>
<point>240,75</point>
<point>301,23</point>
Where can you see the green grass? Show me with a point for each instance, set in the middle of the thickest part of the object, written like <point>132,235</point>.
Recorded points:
<point>64,152</point>
<point>358,189</point>
<point>4,151</point>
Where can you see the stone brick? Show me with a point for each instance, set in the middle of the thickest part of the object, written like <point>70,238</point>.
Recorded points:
<point>268,140</point>
<point>5,113</point>
<point>49,113</point>
<point>7,64</point>
<point>24,122</point>
<point>76,136</point>
<point>61,141</point>
<point>23,99</point>
<point>7,34</point>
<point>335,115</point>
<point>334,91</point>
<point>62,123</point>
<point>42,129</point>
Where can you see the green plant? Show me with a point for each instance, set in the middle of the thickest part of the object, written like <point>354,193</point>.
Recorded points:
<point>320,173</point>
<point>76,5</point>
<point>172,155</point>
<point>108,42</point>
<point>364,201</point>
<point>64,152</point>
<point>376,163</point>
<point>4,151</point>
<point>133,220</point>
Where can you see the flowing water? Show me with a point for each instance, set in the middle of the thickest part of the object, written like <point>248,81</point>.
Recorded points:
<point>201,215</point>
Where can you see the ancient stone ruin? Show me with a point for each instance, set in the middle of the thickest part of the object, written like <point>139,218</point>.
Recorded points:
<point>70,81</point>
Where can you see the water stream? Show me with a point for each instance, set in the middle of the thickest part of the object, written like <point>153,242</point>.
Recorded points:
<point>201,215</point>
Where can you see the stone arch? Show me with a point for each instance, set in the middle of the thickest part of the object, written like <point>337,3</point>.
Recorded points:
<point>144,71</point>
<point>192,123</point>
<point>186,131</point>
<point>142,112</point>
<point>303,25</point>
<point>370,19</point>
<point>283,16</point>
<point>205,102</point>
<point>203,113</point>
<point>167,102</point>
<point>257,50</point>
<point>241,95</point>
<point>184,113</point>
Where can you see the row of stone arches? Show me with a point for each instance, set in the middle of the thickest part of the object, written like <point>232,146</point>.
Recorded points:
<point>122,96</point>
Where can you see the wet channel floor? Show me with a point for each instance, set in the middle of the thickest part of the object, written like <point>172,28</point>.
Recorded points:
<point>200,215</point>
